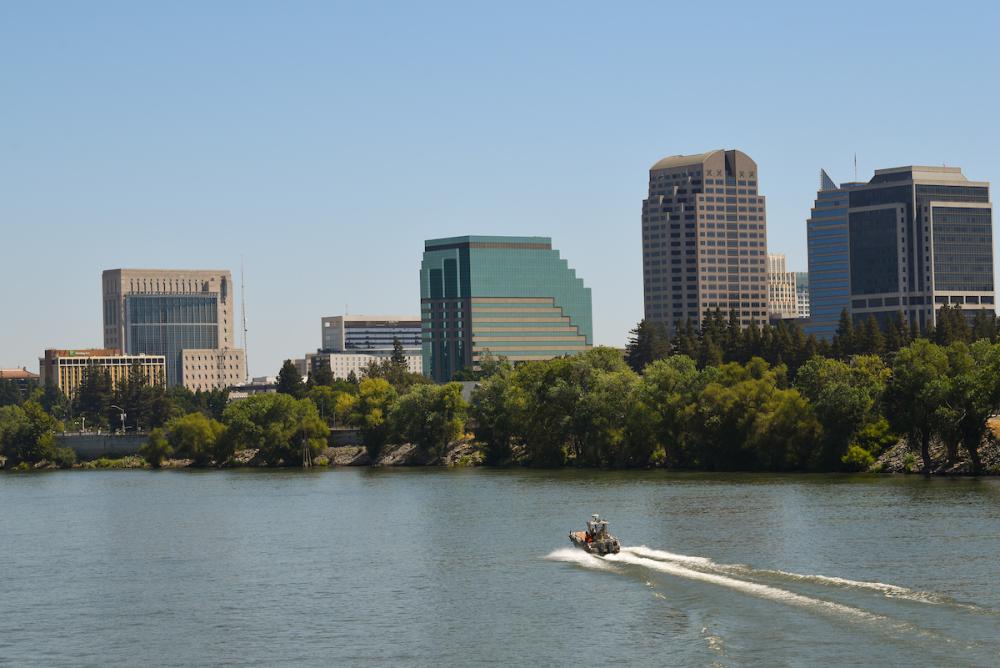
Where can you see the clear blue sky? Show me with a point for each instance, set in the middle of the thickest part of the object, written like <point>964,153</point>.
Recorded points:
<point>325,141</point>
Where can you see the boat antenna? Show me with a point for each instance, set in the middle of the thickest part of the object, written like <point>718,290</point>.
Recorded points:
<point>243,308</point>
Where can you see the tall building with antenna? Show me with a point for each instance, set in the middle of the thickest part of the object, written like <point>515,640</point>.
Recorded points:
<point>905,243</point>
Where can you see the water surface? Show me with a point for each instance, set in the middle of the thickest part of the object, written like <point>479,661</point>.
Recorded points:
<point>458,567</point>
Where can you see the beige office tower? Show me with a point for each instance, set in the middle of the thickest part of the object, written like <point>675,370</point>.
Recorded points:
<point>782,292</point>
<point>185,315</point>
<point>704,239</point>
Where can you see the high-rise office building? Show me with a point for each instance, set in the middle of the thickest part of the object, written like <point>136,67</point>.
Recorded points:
<point>704,239</point>
<point>906,242</point>
<point>167,312</point>
<point>511,296</point>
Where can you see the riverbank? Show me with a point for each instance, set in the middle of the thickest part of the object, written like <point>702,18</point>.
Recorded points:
<point>464,452</point>
<point>899,459</point>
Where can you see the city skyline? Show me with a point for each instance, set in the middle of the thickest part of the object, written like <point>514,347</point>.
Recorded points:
<point>324,145</point>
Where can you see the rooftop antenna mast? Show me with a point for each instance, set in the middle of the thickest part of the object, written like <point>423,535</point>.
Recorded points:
<point>855,167</point>
<point>243,308</point>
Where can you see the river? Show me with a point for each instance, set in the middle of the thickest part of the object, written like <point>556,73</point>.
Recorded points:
<point>432,567</point>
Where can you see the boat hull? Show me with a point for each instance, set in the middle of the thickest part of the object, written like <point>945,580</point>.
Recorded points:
<point>600,547</point>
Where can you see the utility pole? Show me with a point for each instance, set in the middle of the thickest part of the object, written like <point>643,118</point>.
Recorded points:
<point>243,308</point>
<point>122,417</point>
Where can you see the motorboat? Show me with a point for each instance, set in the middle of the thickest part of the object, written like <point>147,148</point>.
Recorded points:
<point>596,539</point>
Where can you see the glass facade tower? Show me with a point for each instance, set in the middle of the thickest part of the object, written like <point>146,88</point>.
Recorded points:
<point>168,324</point>
<point>907,242</point>
<point>511,296</point>
<point>829,257</point>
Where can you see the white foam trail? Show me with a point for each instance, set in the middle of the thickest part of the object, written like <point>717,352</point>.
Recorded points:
<point>643,551</point>
<point>888,590</point>
<point>892,591</point>
<point>574,555</point>
<point>753,588</point>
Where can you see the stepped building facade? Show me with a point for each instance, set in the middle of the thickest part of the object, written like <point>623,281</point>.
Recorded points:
<point>511,297</point>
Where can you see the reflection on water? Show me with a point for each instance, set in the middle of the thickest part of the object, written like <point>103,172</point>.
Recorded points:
<point>436,567</point>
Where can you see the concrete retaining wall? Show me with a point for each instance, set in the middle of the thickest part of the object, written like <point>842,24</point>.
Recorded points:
<point>93,446</point>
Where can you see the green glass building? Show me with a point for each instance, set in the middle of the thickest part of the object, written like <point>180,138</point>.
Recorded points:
<point>512,296</point>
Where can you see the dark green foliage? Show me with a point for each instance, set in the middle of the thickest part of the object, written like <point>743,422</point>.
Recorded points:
<point>290,381</point>
<point>918,387</point>
<point>396,372</point>
<point>496,409</point>
<point>10,393</point>
<point>324,398</point>
<point>846,397</point>
<point>721,340</point>
<point>156,448</point>
<point>430,416</point>
<point>146,406</point>
<point>398,358</point>
<point>27,434</point>
<point>284,429</point>
<point>321,376</point>
<point>183,401</point>
<point>94,397</point>
<point>648,342</point>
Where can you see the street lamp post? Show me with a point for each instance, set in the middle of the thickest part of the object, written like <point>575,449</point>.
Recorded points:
<point>122,416</point>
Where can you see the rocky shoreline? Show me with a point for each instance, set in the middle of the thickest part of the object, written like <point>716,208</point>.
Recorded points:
<point>899,459</point>
<point>460,453</point>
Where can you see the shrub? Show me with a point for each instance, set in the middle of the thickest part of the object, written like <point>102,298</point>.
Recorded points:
<point>156,449</point>
<point>857,458</point>
<point>64,458</point>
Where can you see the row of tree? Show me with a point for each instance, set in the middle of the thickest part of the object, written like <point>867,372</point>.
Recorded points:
<point>283,430</point>
<point>592,410</point>
<point>719,340</point>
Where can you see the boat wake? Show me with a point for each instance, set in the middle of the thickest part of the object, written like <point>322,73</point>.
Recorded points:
<point>677,569</point>
<point>748,580</point>
<point>577,556</point>
<point>887,590</point>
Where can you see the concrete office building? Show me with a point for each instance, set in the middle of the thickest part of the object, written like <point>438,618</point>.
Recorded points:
<point>342,365</point>
<point>512,296</point>
<point>801,294</point>
<point>781,294</point>
<point>66,369</point>
<point>906,242</point>
<point>351,342</point>
<point>704,239</point>
<point>342,333</point>
<point>787,291</point>
<point>209,369</point>
<point>167,312</point>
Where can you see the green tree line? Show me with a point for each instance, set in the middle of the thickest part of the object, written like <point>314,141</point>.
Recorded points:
<point>719,340</point>
<point>592,409</point>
